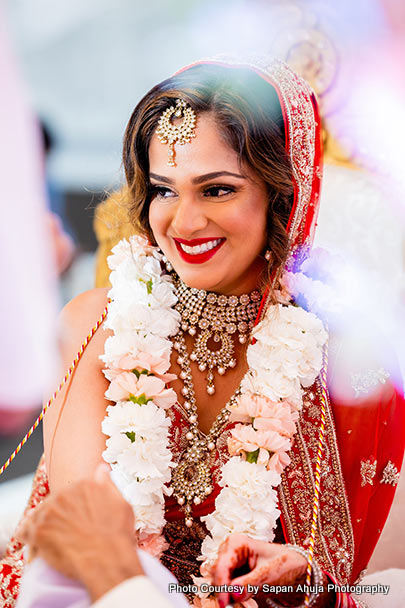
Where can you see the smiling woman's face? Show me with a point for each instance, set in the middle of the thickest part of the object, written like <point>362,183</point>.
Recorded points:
<point>207,214</point>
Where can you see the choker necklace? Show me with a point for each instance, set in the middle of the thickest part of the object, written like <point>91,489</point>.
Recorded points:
<point>215,318</point>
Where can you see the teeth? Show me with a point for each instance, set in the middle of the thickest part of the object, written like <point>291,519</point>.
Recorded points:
<point>200,248</point>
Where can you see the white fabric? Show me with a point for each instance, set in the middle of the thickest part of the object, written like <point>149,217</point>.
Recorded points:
<point>44,587</point>
<point>395,598</point>
<point>138,590</point>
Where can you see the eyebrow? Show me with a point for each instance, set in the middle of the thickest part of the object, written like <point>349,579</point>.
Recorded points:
<point>200,179</point>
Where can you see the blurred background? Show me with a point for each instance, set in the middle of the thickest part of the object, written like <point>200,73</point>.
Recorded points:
<point>83,66</point>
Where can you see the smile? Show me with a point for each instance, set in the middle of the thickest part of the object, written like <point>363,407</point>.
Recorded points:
<point>200,248</point>
<point>198,251</point>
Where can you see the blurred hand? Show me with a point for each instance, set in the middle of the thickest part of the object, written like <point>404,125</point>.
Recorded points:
<point>266,563</point>
<point>87,533</point>
<point>61,243</point>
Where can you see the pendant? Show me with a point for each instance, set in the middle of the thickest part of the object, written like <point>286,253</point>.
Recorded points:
<point>219,359</point>
<point>191,481</point>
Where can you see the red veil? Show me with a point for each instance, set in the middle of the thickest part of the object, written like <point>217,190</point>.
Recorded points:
<point>365,435</point>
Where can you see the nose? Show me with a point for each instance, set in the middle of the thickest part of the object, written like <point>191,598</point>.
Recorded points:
<point>188,217</point>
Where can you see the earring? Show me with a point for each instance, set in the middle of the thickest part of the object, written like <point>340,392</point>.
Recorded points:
<point>267,255</point>
<point>168,265</point>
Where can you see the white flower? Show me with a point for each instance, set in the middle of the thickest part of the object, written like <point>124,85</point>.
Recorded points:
<point>163,295</point>
<point>150,518</point>
<point>277,387</point>
<point>115,445</point>
<point>209,547</point>
<point>239,514</point>
<point>247,478</point>
<point>144,493</point>
<point>146,459</point>
<point>288,349</point>
<point>119,253</point>
<point>138,316</point>
<point>146,420</point>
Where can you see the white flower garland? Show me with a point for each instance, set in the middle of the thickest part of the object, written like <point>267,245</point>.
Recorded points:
<point>142,317</point>
<point>286,356</point>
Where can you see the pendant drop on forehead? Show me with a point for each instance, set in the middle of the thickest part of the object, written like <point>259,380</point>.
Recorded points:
<point>181,133</point>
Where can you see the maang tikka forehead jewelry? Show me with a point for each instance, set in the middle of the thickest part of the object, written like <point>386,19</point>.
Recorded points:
<point>181,133</point>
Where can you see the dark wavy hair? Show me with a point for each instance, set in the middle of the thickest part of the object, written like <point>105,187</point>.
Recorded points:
<point>250,120</point>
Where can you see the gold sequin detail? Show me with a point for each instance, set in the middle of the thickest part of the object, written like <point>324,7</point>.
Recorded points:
<point>390,474</point>
<point>368,469</point>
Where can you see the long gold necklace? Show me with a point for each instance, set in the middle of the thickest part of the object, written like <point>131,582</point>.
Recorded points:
<point>220,318</point>
<point>191,479</point>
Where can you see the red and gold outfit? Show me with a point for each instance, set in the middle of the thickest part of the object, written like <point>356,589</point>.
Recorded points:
<point>354,500</point>
<point>364,436</point>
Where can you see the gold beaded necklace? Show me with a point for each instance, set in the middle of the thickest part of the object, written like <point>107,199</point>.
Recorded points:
<point>191,479</point>
<point>220,318</point>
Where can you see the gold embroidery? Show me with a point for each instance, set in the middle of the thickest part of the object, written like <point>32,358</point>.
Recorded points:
<point>390,474</point>
<point>334,547</point>
<point>368,470</point>
<point>12,565</point>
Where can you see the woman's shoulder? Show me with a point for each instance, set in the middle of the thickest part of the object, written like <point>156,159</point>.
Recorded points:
<point>87,303</point>
<point>81,339</point>
<point>83,310</point>
<point>79,318</point>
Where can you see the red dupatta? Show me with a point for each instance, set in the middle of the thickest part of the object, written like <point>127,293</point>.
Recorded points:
<point>364,436</point>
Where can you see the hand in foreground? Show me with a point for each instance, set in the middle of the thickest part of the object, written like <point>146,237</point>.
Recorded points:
<point>87,533</point>
<point>265,562</point>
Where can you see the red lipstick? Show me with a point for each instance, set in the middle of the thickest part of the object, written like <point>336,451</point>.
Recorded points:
<point>198,258</point>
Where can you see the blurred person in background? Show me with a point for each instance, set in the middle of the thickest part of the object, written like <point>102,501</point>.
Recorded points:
<point>33,247</point>
<point>34,250</point>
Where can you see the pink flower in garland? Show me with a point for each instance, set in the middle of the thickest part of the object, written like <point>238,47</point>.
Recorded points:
<point>267,415</point>
<point>246,439</point>
<point>278,462</point>
<point>127,386</point>
<point>154,364</point>
<point>154,544</point>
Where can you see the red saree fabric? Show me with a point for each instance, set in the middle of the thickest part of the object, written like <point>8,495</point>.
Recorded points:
<point>372,431</point>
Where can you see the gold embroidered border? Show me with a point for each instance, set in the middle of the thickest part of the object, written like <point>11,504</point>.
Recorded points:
<point>334,545</point>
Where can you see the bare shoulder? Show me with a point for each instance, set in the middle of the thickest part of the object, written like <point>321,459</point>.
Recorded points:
<point>78,318</point>
<point>82,398</point>
<point>84,308</point>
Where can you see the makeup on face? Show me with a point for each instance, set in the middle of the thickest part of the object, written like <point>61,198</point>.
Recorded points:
<point>208,214</point>
<point>198,251</point>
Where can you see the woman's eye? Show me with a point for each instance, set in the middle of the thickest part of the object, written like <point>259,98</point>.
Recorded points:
<point>161,192</point>
<point>218,191</point>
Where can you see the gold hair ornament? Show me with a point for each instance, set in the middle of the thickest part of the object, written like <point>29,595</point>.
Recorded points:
<point>169,133</point>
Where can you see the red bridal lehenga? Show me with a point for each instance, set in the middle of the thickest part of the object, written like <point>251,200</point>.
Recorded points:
<point>364,437</point>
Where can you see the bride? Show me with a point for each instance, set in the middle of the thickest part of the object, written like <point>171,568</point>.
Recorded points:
<point>207,389</point>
